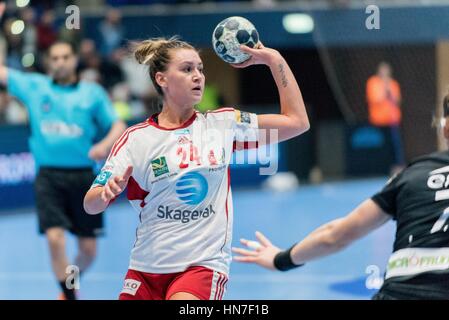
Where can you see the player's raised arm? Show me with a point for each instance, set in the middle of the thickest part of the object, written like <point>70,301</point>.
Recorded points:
<point>98,198</point>
<point>325,240</point>
<point>293,119</point>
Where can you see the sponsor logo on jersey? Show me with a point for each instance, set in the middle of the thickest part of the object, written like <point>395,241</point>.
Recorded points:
<point>103,177</point>
<point>216,157</point>
<point>159,166</point>
<point>412,261</point>
<point>192,188</point>
<point>182,132</point>
<point>183,140</point>
<point>131,286</point>
<point>164,177</point>
<point>242,117</point>
<point>46,107</point>
<point>59,128</point>
<point>184,216</point>
<point>223,155</point>
<point>440,170</point>
<point>217,169</point>
<point>212,159</point>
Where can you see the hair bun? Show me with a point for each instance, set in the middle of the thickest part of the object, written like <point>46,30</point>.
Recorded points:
<point>147,49</point>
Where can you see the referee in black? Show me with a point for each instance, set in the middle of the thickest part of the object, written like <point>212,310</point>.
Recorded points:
<point>418,200</point>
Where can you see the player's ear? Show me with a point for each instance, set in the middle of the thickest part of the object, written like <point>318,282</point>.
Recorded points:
<point>160,79</point>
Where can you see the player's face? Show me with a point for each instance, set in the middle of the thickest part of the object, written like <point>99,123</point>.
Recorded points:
<point>62,62</point>
<point>183,81</point>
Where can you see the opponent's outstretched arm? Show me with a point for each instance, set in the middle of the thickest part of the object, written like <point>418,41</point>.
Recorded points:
<point>325,240</point>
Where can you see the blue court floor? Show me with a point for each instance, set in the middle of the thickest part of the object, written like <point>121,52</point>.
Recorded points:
<point>283,217</point>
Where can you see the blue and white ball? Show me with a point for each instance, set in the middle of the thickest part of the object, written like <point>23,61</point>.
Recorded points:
<point>229,34</point>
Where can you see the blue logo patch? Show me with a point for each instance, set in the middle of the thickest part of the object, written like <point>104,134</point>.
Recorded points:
<point>192,188</point>
<point>184,131</point>
<point>103,177</point>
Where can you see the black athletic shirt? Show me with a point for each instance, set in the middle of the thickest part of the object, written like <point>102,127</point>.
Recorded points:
<point>417,199</point>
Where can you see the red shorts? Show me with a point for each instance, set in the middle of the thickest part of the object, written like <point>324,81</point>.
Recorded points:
<point>202,282</point>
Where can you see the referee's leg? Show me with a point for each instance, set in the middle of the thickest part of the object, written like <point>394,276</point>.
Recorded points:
<point>56,242</point>
<point>59,262</point>
<point>86,227</point>
<point>87,251</point>
<point>51,203</point>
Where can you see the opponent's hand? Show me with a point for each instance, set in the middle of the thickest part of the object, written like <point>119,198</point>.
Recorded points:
<point>116,185</point>
<point>263,252</point>
<point>98,152</point>
<point>259,55</point>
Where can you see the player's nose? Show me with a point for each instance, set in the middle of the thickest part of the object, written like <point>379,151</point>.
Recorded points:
<point>196,78</point>
<point>197,75</point>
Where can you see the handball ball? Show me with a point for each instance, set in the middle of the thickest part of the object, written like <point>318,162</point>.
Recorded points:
<point>229,34</point>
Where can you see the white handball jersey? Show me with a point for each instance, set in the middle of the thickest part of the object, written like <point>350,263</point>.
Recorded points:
<point>180,186</point>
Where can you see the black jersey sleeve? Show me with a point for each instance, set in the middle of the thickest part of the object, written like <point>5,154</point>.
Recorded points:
<point>386,198</point>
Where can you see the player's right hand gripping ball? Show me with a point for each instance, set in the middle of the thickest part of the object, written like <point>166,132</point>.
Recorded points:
<point>229,34</point>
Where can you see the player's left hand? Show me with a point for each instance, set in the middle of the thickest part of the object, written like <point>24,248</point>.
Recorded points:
<point>263,252</point>
<point>98,152</point>
<point>259,55</point>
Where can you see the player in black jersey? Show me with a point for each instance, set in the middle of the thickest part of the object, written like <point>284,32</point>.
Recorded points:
<point>418,199</point>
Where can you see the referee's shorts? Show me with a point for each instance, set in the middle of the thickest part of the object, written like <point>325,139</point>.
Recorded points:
<point>59,199</point>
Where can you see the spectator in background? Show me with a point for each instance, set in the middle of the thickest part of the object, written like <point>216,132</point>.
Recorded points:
<point>13,47</point>
<point>74,36</point>
<point>151,102</point>
<point>384,100</point>
<point>110,73</point>
<point>121,101</point>
<point>211,99</point>
<point>134,74</point>
<point>3,108</point>
<point>128,2</point>
<point>90,75</point>
<point>111,32</point>
<point>29,35</point>
<point>87,48</point>
<point>46,32</point>
<point>264,3</point>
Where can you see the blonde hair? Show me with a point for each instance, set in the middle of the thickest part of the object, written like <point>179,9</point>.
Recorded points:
<point>155,53</point>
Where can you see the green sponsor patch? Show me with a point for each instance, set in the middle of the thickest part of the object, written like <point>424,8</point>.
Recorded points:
<point>103,177</point>
<point>159,166</point>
